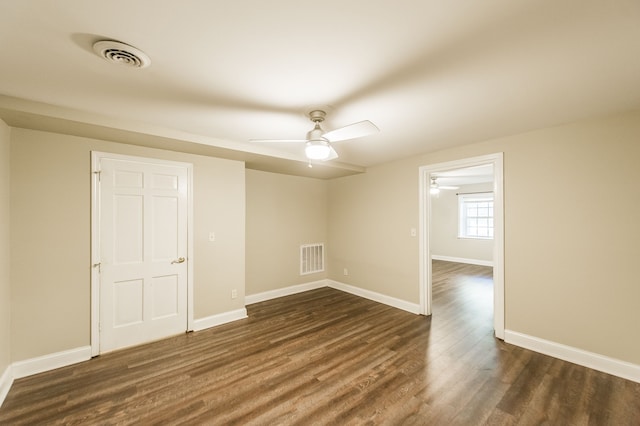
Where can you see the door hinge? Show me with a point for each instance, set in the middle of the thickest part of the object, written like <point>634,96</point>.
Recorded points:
<point>98,265</point>
<point>98,173</point>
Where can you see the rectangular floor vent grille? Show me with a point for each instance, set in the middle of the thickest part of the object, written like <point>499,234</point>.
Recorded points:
<point>311,258</point>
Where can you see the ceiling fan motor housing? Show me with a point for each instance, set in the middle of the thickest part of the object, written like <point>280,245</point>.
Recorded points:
<point>317,116</point>
<point>315,134</point>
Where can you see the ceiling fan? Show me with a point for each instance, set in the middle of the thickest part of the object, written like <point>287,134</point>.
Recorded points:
<point>434,187</point>
<point>318,142</point>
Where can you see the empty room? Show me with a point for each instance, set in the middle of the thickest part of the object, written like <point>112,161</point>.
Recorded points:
<point>243,212</point>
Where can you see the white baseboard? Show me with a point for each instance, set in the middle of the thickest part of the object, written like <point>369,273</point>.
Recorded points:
<point>462,260</point>
<point>376,297</point>
<point>285,291</point>
<point>40,364</point>
<point>219,319</point>
<point>357,291</point>
<point>6,380</point>
<point>608,365</point>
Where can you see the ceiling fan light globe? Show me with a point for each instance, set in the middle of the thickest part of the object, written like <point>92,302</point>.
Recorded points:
<point>317,150</point>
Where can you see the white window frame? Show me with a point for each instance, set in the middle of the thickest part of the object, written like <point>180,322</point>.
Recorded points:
<point>463,201</point>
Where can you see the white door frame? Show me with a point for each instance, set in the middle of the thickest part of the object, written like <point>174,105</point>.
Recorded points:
<point>498,238</point>
<point>96,157</point>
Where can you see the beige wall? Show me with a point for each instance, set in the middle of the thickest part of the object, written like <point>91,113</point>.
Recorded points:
<point>370,220</point>
<point>572,205</point>
<point>283,212</point>
<point>5,284</point>
<point>444,227</point>
<point>50,245</point>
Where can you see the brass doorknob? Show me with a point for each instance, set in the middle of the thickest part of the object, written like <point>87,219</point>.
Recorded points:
<point>178,260</point>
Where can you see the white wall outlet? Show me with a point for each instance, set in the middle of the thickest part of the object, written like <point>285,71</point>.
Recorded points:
<point>234,293</point>
<point>414,232</point>
<point>212,236</point>
<point>345,271</point>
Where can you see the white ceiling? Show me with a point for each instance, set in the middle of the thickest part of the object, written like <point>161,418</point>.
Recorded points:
<point>430,74</point>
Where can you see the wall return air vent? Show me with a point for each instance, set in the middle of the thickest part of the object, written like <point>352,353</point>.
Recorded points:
<point>311,258</point>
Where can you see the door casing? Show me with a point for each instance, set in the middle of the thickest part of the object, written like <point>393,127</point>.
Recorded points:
<point>498,244</point>
<point>96,157</point>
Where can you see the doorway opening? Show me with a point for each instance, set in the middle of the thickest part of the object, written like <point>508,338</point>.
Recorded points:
<point>478,177</point>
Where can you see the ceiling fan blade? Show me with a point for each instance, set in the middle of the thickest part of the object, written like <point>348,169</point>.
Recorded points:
<point>276,140</point>
<point>351,131</point>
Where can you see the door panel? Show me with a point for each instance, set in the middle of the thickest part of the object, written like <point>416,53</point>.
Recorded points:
<point>161,181</point>
<point>128,230</point>
<point>165,296</point>
<point>143,234</point>
<point>165,232</point>
<point>127,303</point>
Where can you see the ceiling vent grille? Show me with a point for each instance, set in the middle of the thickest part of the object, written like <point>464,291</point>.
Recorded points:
<point>122,54</point>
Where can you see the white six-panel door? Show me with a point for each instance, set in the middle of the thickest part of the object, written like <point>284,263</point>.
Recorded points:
<point>143,248</point>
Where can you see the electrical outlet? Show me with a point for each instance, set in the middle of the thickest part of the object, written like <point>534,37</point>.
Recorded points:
<point>212,236</point>
<point>234,293</point>
<point>345,272</point>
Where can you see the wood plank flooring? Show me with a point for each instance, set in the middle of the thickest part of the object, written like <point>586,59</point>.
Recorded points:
<point>327,357</point>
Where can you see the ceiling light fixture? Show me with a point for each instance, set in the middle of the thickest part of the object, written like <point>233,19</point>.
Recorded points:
<point>317,149</point>
<point>434,188</point>
<point>318,142</point>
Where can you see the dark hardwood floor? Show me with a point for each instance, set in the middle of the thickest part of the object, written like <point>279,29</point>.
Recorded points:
<point>327,357</point>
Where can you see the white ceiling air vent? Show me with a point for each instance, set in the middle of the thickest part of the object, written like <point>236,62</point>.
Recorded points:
<point>120,53</point>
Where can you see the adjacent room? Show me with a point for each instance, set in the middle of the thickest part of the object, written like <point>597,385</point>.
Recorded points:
<point>338,213</point>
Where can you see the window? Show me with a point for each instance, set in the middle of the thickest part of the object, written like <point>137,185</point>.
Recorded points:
<point>475,213</point>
